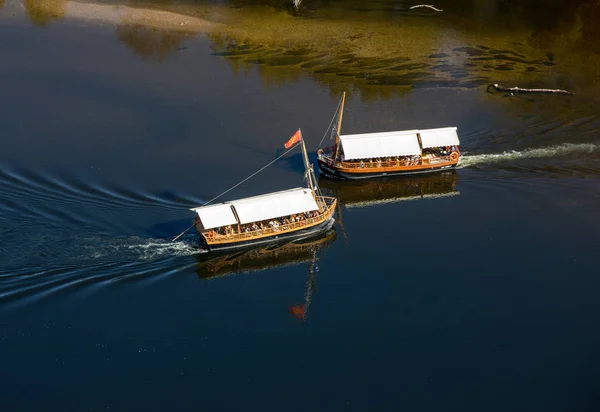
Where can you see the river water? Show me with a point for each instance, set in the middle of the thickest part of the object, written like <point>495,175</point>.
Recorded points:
<point>471,290</point>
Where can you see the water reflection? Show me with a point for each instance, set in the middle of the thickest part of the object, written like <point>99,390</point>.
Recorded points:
<point>389,190</point>
<point>151,42</point>
<point>256,260</point>
<point>366,46</point>
<point>43,12</point>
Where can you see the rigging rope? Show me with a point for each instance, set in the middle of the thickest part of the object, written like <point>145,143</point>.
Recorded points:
<point>233,187</point>
<point>330,123</point>
<point>269,164</point>
<point>252,175</point>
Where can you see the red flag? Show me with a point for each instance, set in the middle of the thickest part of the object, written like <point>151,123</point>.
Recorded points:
<point>293,140</point>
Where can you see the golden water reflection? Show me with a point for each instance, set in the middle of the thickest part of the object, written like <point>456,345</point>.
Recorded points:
<point>148,42</point>
<point>44,12</point>
<point>377,48</point>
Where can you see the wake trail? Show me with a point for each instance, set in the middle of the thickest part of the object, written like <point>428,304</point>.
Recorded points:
<point>539,153</point>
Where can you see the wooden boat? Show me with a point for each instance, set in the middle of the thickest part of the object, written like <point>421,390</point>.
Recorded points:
<point>360,156</point>
<point>365,193</point>
<point>268,218</point>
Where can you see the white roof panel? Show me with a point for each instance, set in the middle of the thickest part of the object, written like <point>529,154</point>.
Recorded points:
<point>273,205</point>
<point>446,136</point>
<point>362,146</point>
<point>215,215</point>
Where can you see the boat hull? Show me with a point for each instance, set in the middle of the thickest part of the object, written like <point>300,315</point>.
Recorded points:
<point>274,239</point>
<point>333,172</point>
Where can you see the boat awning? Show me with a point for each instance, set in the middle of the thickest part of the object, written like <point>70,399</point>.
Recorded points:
<point>215,215</point>
<point>364,146</point>
<point>257,208</point>
<point>273,205</point>
<point>439,137</point>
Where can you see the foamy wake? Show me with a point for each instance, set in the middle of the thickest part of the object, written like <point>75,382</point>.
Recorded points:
<point>145,249</point>
<point>544,152</point>
<point>153,249</point>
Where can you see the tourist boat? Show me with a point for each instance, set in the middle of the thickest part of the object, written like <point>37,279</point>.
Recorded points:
<point>365,193</point>
<point>269,218</point>
<point>360,156</point>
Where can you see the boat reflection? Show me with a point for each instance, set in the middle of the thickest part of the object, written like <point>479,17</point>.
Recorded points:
<point>256,260</point>
<point>276,256</point>
<point>389,190</point>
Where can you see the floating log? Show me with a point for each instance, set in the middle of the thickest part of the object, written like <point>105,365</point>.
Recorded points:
<point>498,88</point>
<point>425,5</point>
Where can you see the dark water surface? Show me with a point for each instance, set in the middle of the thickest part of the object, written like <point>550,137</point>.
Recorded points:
<point>472,290</point>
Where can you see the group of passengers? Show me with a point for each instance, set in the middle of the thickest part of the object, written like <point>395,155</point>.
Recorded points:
<point>390,161</point>
<point>273,225</point>
<point>440,150</point>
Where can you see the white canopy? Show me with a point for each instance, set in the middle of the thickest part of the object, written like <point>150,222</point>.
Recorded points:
<point>257,208</point>
<point>215,215</point>
<point>439,137</point>
<point>362,146</point>
<point>272,205</point>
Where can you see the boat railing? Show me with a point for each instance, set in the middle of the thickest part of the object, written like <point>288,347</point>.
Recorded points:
<point>325,201</point>
<point>390,163</point>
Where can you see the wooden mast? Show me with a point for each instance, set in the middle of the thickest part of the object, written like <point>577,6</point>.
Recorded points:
<point>309,173</point>
<point>339,127</point>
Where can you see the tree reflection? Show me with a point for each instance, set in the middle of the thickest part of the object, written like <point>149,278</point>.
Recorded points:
<point>151,42</point>
<point>43,12</point>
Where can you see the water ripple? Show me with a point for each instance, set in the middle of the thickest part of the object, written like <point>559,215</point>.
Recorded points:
<point>61,233</point>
